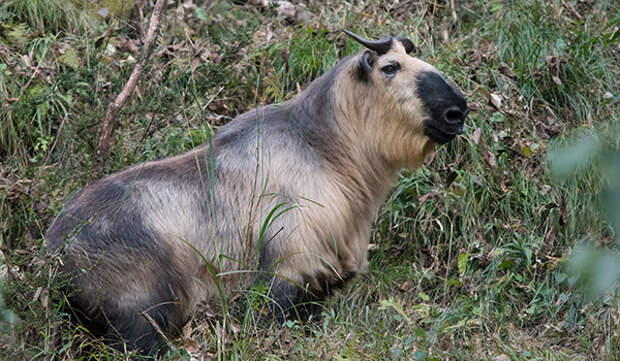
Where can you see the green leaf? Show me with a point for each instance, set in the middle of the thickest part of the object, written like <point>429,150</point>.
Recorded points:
<point>420,355</point>
<point>506,264</point>
<point>396,306</point>
<point>453,282</point>
<point>528,255</point>
<point>497,117</point>
<point>201,13</point>
<point>17,35</point>
<point>420,332</point>
<point>568,159</point>
<point>463,263</point>
<point>396,353</point>
<point>424,296</point>
<point>560,277</point>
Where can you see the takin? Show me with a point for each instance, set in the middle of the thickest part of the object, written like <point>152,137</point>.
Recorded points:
<point>284,194</point>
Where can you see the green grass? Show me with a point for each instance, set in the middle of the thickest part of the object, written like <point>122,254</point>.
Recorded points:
<point>46,16</point>
<point>475,257</point>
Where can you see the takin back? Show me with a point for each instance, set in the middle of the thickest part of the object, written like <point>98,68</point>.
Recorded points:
<point>284,194</point>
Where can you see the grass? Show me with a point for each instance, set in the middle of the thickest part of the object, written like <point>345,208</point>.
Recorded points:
<point>475,257</point>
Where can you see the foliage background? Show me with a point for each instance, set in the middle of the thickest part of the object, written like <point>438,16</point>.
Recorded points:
<point>502,248</point>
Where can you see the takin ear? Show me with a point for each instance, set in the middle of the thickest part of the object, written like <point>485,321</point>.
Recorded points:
<point>408,44</point>
<point>366,61</point>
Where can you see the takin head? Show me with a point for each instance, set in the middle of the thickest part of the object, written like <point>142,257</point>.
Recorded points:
<point>416,105</point>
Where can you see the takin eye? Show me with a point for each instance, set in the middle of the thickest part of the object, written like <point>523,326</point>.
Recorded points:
<point>391,69</point>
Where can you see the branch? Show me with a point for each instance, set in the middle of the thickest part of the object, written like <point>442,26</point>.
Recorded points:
<point>110,122</point>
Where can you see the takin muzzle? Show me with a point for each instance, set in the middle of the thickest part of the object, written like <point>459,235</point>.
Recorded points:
<point>284,195</point>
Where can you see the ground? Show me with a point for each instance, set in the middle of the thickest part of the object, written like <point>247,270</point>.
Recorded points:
<point>503,247</point>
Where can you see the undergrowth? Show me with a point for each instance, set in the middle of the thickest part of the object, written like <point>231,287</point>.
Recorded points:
<point>477,256</point>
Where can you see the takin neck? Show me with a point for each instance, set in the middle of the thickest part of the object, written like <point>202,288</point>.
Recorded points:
<point>334,122</point>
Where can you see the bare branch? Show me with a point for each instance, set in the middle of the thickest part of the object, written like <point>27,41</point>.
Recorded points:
<point>110,122</point>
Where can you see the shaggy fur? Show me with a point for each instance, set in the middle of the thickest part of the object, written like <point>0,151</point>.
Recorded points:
<point>142,243</point>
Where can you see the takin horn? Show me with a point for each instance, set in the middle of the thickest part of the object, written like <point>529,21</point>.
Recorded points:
<point>382,45</point>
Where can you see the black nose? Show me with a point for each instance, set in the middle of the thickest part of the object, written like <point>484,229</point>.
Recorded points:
<point>454,115</point>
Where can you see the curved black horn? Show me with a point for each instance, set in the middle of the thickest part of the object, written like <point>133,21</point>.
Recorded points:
<point>381,46</point>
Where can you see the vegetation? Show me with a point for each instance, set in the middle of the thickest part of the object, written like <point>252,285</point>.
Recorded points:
<point>505,247</point>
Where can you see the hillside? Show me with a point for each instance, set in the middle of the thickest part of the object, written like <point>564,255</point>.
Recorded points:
<point>505,246</point>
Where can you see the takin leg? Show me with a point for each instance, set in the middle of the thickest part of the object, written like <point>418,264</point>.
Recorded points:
<point>299,298</point>
<point>142,329</point>
<point>138,323</point>
<point>289,298</point>
<point>283,295</point>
